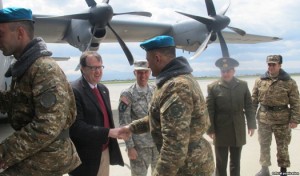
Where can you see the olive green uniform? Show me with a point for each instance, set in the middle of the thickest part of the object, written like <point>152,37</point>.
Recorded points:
<point>229,104</point>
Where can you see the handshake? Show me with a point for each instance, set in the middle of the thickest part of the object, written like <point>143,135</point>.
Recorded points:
<point>120,133</point>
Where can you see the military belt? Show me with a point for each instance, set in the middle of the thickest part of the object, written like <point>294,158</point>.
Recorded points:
<point>273,108</point>
<point>64,134</point>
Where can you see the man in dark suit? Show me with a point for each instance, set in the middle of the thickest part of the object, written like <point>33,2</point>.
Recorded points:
<point>93,132</point>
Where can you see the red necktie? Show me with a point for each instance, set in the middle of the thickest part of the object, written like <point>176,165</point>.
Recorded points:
<point>104,111</point>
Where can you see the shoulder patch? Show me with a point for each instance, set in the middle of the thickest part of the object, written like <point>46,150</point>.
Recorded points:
<point>48,99</point>
<point>123,104</point>
<point>122,107</point>
<point>124,100</point>
<point>176,110</point>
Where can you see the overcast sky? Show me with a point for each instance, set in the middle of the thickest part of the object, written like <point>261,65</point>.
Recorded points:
<point>278,18</point>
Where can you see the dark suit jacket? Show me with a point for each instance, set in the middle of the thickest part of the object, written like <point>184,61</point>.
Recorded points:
<point>88,133</point>
<point>229,107</point>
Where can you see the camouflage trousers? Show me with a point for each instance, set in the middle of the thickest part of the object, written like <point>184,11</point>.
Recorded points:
<point>282,135</point>
<point>16,171</point>
<point>47,162</point>
<point>146,156</point>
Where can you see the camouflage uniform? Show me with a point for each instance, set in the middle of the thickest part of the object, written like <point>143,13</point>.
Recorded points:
<point>177,120</point>
<point>41,107</point>
<point>133,106</point>
<point>278,101</point>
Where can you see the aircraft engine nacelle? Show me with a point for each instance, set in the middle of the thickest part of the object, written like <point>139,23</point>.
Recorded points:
<point>99,35</point>
<point>80,35</point>
<point>189,35</point>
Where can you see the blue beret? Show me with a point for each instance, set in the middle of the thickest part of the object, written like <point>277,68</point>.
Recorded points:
<point>158,42</point>
<point>12,14</point>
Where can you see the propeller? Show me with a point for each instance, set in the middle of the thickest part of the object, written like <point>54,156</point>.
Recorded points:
<point>215,23</point>
<point>93,4</point>
<point>145,14</point>
<point>99,16</point>
<point>123,45</point>
<point>202,47</point>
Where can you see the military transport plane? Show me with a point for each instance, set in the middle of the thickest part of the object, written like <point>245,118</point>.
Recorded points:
<point>96,25</point>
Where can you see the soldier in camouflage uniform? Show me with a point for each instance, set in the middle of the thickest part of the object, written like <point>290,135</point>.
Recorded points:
<point>133,105</point>
<point>178,116</point>
<point>276,96</point>
<point>40,104</point>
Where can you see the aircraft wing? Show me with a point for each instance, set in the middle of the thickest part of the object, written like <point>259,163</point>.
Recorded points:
<point>134,31</point>
<point>61,58</point>
<point>53,30</point>
<point>50,29</point>
<point>234,38</point>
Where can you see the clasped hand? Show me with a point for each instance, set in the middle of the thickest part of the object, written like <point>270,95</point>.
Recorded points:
<point>120,133</point>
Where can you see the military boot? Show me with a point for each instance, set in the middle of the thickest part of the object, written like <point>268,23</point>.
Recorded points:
<point>264,171</point>
<point>283,171</point>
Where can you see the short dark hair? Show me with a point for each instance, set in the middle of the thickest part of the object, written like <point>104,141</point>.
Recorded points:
<point>27,25</point>
<point>168,51</point>
<point>89,53</point>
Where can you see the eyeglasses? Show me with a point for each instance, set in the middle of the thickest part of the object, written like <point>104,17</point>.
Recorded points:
<point>94,68</point>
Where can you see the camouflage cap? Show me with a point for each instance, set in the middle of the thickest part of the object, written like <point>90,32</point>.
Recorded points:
<point>274,59</point>
<point>226,63</point>
<point>141,65</point>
